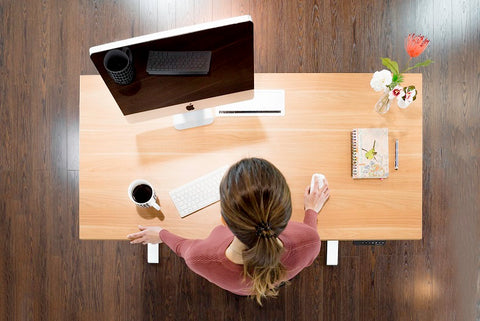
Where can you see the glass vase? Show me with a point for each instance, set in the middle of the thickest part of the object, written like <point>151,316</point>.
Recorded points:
<point>383,104</point>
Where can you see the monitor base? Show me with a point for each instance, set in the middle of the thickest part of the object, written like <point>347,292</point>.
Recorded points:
<point>194,118</point>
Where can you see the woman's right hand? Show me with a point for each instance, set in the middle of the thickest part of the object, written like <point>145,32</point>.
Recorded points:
<point>316,199</point>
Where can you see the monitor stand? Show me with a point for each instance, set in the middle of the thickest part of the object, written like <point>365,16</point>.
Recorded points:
<point>194,118</point>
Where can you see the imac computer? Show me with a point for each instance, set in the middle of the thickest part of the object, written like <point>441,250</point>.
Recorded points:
<point>144,91</point>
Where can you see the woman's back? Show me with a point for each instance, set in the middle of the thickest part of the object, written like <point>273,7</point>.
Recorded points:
<point>207,257</point>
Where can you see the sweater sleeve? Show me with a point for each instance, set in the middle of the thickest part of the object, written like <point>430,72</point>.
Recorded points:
<point>310,218</point>
<point>176,243</point>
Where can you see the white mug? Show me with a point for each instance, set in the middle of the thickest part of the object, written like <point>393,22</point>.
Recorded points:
<point>142,194</point>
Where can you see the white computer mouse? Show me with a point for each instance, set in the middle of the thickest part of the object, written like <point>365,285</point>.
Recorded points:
<point>319,178</point>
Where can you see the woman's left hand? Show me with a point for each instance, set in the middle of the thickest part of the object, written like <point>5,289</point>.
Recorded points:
<point>147,234</point>
<point>316,199</point>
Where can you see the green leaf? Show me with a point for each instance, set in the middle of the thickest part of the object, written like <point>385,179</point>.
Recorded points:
<point>396,80</point>
<point>392,65</point>
<point>399,79</point>
<point>420,64</point>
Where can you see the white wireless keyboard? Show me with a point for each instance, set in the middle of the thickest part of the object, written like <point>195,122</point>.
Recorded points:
<point>198,193</point>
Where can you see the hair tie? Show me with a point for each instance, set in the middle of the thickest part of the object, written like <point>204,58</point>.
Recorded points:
<point>263,230</point>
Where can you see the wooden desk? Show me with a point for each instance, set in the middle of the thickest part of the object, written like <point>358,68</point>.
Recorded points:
<point>314,136</point>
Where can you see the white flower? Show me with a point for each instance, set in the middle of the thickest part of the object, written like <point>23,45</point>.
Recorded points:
<point>381,79</point>
<point>406,100</point>
<point>396,92</point>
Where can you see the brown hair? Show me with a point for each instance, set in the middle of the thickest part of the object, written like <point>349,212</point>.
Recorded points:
<point>256,205</point>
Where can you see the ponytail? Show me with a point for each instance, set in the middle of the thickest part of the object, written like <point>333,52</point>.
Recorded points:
<point>262,264</point>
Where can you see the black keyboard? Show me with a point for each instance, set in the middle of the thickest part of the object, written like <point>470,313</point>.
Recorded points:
<point>178,62</point>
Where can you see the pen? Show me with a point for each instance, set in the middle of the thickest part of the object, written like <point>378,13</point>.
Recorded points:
<point>396,154</point>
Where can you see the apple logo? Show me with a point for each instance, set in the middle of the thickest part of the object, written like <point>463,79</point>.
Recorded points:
<point>190,107</point>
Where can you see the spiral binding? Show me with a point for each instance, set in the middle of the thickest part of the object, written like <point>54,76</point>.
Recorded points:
<point>354,153</point>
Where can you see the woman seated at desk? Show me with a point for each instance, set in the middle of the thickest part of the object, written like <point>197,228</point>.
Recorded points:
<point>258,249</point>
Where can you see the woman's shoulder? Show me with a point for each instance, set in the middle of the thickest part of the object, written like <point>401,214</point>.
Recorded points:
<point>294,226</point>
<point>302,245</point>
<point>213,246</point>
<point>220,231</point>
<point>298,234</point>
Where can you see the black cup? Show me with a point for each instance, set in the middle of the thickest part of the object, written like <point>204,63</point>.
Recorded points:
<point>119,65</point>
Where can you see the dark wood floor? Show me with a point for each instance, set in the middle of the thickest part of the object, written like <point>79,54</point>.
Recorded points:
<point>47,273</point>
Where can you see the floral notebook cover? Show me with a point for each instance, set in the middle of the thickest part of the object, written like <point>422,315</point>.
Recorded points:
<point>370,153</point>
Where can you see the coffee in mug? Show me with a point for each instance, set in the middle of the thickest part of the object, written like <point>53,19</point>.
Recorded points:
<point>142,194</point>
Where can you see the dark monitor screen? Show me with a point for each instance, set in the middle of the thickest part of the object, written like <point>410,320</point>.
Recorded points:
<point>230,42</point>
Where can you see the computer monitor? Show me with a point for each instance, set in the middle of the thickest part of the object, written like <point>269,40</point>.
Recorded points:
<point>230,77</point>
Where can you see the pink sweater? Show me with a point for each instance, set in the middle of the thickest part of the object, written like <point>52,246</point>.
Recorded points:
<point>207,257</point>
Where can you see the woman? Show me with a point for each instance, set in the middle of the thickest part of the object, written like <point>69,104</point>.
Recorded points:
<point>259,248</point>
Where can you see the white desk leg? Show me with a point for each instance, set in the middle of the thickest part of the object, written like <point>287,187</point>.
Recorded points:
<point>152,253</point>
<point>332,252</point>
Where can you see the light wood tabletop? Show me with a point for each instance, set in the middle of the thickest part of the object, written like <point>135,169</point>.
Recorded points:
<point>312,137</point>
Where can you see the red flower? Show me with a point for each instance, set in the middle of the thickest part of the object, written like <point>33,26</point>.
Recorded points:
<point>415,44</point>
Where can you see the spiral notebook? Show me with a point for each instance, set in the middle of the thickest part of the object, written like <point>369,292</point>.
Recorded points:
<point>370,153</point>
